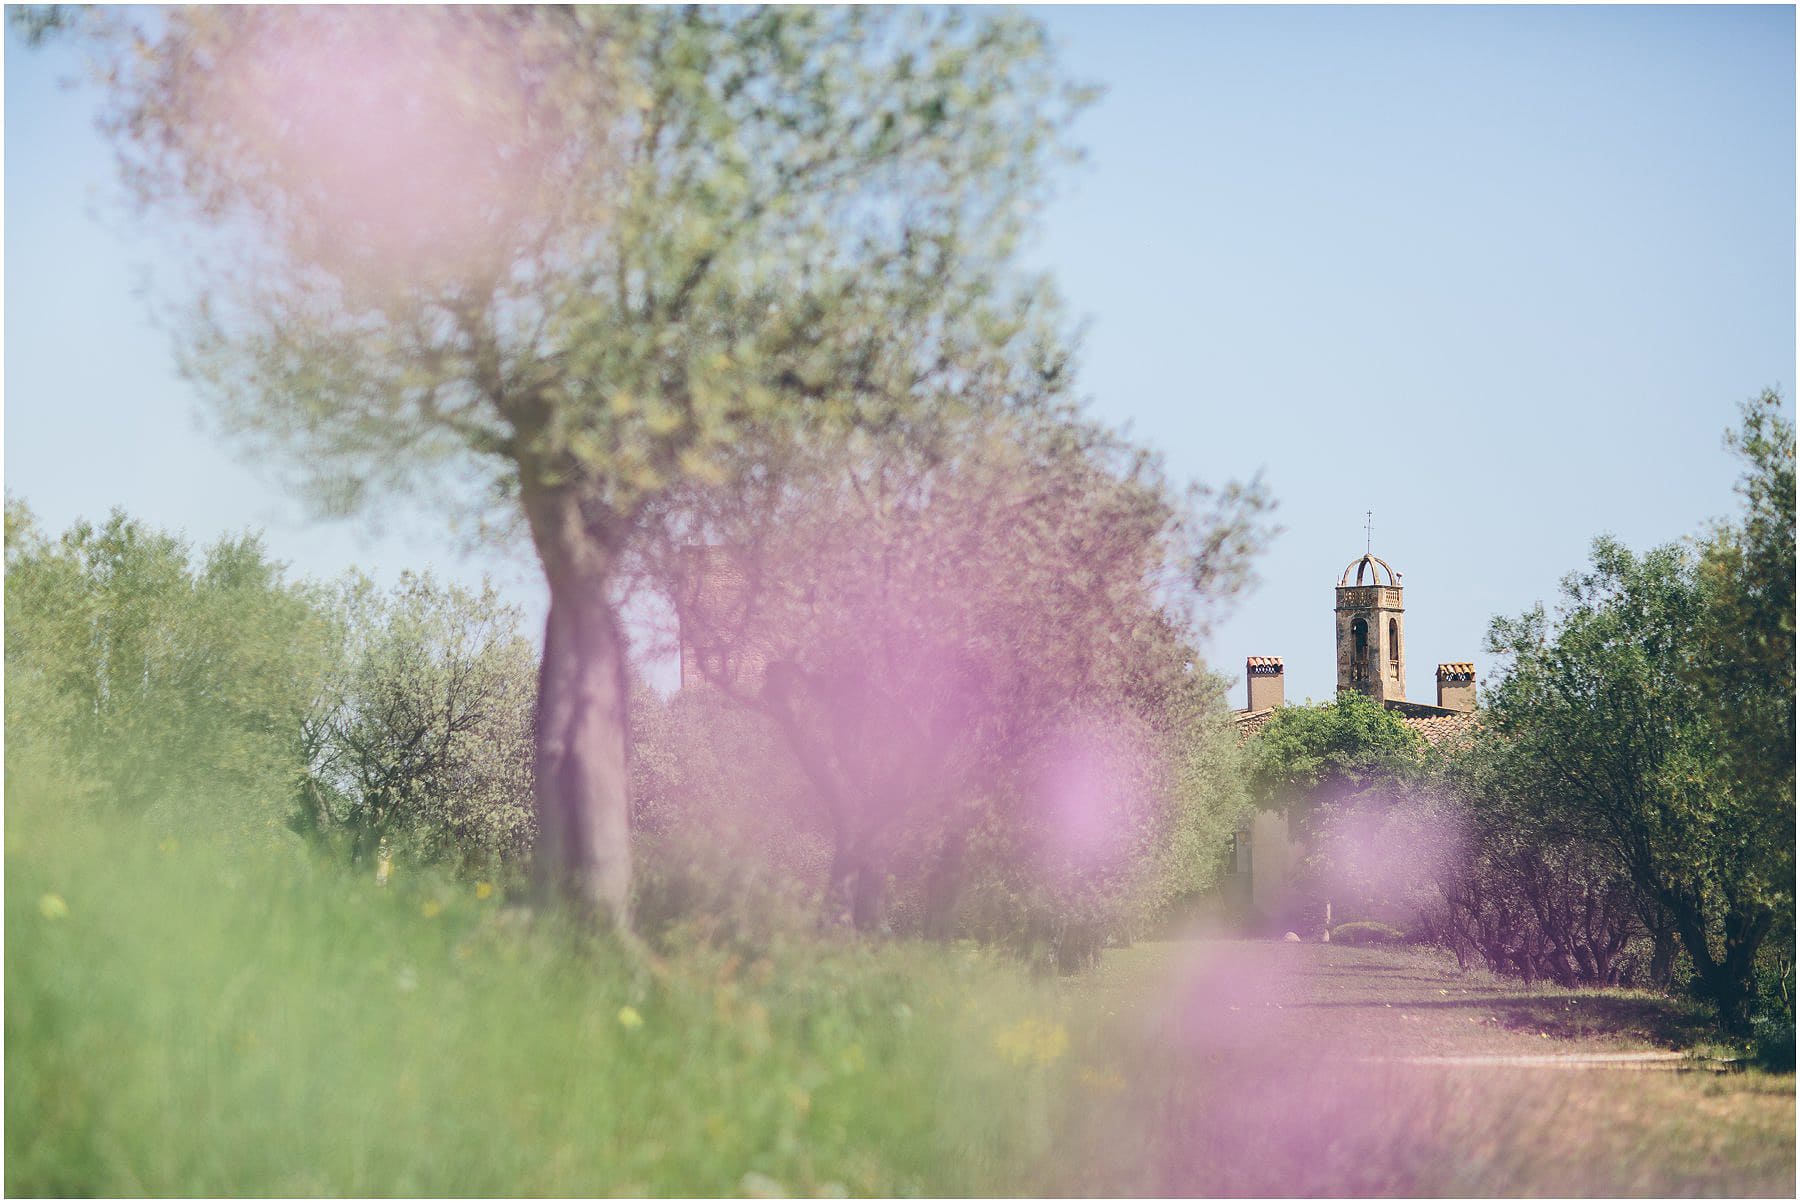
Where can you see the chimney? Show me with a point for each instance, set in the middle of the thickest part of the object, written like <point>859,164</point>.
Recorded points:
<point>1456,685</point>
<point>1263,681</point>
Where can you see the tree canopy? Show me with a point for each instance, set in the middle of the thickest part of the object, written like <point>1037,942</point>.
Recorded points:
<point>571,267</point>
<point>1607,730</point>
<point>137,671</point>
<point>1309,754</point>
<point>946,629</point>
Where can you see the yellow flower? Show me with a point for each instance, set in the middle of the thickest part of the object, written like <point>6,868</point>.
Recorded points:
<point>1032,1041</point>
<point>629,1018</point>
<point>52,906</point>
<point>432,908</point>
<point>484,890</point>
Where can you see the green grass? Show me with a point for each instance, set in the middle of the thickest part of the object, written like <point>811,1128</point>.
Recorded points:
<point>203,1020</point>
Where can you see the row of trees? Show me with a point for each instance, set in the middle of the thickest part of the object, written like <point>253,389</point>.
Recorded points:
<point>210,694</point>
<point>1622,811</point>
<point>975,712</point>
<point>1652,720</point>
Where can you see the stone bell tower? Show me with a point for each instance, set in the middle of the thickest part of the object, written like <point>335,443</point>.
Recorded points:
<point>1371,629</point>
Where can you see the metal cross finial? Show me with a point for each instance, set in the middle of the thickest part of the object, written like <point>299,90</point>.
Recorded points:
<point>1369,532</point>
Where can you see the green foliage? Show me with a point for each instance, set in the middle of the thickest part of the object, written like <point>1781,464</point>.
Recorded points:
<point>219,696</point>
<point>1209,801</point>
<point>421,736</point>
<point>1608,737</point>
<point>679,230</point>
<point>1310,754</point>
<point>1743,667</point>
<point>1630,784</point>
<point>152,683</point>
<point>1366,931</point>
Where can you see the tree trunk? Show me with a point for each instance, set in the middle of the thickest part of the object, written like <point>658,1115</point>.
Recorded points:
<point>856,895</point>
<point>582,732</point>
<point>1662,959</point>
<point>944,885</point>
<point>1726,981</point>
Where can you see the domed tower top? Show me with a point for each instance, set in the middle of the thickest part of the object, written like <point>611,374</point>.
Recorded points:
<point>1374,566</point>
<point>1370,624</point>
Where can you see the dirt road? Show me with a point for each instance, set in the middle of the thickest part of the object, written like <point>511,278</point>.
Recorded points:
<point>1269,1068</point>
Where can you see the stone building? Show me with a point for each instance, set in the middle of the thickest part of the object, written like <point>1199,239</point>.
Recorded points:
<point>1369,631</point>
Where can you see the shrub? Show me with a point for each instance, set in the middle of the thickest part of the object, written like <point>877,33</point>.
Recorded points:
<point>1366,931</point>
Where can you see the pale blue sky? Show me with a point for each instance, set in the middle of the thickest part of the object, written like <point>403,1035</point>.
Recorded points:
<point>1500,275</point>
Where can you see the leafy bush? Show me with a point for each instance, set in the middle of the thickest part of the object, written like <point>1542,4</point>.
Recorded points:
<point>690,891</point>
<point>1366,931</point>
<point>1772,1024</point>
<point>726,835</point>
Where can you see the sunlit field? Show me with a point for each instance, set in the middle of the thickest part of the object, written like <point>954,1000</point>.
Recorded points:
<point>188,1019</point>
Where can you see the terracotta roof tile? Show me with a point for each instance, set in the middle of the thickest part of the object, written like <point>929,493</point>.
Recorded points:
<point>1249,722</point>
<point>1439,729</point>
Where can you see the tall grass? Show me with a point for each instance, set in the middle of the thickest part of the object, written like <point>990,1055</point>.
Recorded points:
<point>203,1019</point>
<point>210,1018</point>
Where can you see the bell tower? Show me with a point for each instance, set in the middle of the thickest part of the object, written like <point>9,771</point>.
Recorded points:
<point>1371,630</point>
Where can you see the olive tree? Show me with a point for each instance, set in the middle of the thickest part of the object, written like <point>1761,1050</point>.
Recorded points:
<point>978,638</point>
<point>1605,726</point>
<point>561,263</point>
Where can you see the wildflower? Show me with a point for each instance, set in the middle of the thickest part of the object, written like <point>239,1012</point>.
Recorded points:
<point>484,890</point>
<point>168,845</point>
<point>629,1018</point>
<point>52,906</point>
<point>1032,1041</point>
<point>431,908</point>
